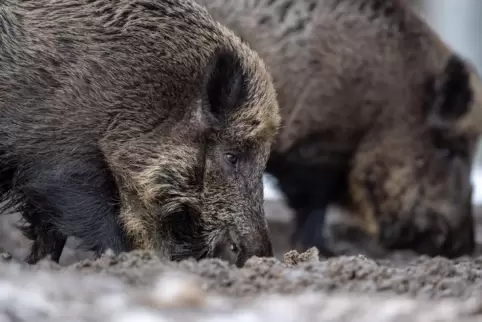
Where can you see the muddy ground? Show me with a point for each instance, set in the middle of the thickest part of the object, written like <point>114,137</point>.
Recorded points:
<point>292,287</point>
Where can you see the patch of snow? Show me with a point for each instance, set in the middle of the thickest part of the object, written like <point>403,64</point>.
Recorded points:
<point>271,192</point>
<point>477,182</point>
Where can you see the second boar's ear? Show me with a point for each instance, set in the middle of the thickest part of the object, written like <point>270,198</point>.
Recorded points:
<point>449,93</point>
<point>224,87</point>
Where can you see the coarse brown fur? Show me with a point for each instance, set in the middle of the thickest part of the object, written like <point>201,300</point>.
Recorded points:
<point>379,117</point>
<point>133,124</point>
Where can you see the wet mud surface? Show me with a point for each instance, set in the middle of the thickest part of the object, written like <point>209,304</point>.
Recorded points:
<point>292,287</point>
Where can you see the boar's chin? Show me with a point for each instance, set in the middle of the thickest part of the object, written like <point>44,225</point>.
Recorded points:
<point>185,238</point>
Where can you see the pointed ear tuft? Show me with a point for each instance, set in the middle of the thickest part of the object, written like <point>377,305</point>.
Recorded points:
<point>450,94</point>
<point>225,84</point>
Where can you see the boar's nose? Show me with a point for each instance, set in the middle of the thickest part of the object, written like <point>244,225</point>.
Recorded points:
<point>231,249</point>
<point>260,247</point>
<point>264,249</point>
<point>227,249</point>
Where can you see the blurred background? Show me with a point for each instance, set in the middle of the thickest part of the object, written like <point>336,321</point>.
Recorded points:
<point>459,24</point>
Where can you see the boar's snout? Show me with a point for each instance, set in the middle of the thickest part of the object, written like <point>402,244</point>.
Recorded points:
<point>236,249</point>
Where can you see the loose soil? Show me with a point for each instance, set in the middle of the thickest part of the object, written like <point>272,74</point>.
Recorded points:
<point>138,286</point>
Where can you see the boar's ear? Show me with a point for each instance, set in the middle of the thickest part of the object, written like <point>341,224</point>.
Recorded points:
<point>224,86</point>
<point>449,94</point>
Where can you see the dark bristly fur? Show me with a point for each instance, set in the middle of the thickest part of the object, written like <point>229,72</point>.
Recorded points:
<point>133,124</point>
<point>379,120</point>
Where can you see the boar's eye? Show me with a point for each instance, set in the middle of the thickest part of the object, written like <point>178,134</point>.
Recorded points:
<point>231,158</point>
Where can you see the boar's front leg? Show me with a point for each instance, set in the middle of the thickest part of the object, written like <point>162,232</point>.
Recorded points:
<point>308,191</point>
<point>310,182</point>
<point>46,242</point>
<point>309,228</point>
<point>70,196</point>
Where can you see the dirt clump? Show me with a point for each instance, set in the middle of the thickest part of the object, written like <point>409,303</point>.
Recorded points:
<point>293,257</point>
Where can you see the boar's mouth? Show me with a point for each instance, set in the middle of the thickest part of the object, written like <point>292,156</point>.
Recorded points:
<point>184,235</point>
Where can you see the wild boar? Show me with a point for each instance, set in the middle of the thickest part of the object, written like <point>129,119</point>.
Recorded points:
<point>380,118</point>
<point>133,124</point>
